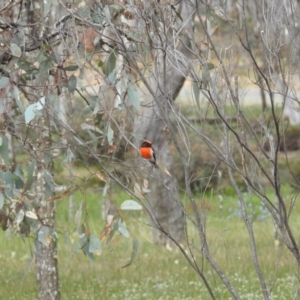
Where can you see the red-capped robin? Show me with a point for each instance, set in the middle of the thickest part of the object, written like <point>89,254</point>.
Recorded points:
<point>147,152</point>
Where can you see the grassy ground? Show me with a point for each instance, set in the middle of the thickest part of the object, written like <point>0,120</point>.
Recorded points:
<point>156,273</point>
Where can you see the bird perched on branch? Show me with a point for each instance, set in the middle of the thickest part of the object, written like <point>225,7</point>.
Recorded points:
<point>147,152</point>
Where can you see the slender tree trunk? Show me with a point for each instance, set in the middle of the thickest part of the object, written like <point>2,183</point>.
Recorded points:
<point>46,250</point>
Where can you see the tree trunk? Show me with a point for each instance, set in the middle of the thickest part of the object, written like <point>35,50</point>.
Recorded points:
<point>166,211</point>
<point>46,240</point>
<point>47,271</point>
<point>45,243</point>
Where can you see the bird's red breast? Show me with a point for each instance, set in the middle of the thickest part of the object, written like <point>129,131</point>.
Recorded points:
<point>146,152</point>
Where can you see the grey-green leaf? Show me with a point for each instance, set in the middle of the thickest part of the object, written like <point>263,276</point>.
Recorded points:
<point>47,7</point>
<point>31,177</point>
<point>71,68</point>
<point>122,228</point>
<point>8,179</point>
<point>133,96</point>
<point>110,64</point>
<point>32,109</point>
<point>95,245</point>
<point>78,215</point>
<point>196,92</point>
<point>15,50</point>
<point>110,135</point>
<point>19,217</point>
<point>4,150</point>
<point>17,98</point>
<point>205,76</point>
<point>135,246</point>
<point>4,82</point>
<point>106,12</point>
<point>72,84</point>
<point>1,200</point>
<point>130,205</point>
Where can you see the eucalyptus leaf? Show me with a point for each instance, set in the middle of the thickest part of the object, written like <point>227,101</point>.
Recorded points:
<point>78,140</point>
<point>1,200</point>
<point>95,245</point>
<point>87,252</point>
<point>196,92</point>
<point>110,64</point>
<point>4,82</point>
<point>210,66</point>
<point>31,214</point>
<point>106,12</point>
<point>47,7</point>
<point>67,239</point>
<point>19,102</point>
<point>31,176</point>
<point>32,109</point>
<point>112,78</point>
<point>84,12</point>
<point>45,65</point>
<point>122,228</point>
<point>131,205</point>
<point>83,240</point>
<point>72,84</point>
<point>29,113</point>
<point>19,217</point>
<point>205,76</point>
<point>71,68</point>
<point>135,246</point>
<point>100,64</point>
<point>19,172</point>
<point>96,15</point>
<point>4,150</point>
<point>78,215</point>
<point>87,110</point>
<point>8,179</point>
<point>69,160</point>
<point>15,50</point>
<point>133,96</point>
<point>110,135</point>
<point>121,106</point>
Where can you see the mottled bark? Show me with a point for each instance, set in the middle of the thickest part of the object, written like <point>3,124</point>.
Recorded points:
<point>47,271</point>
<point>45,243</point>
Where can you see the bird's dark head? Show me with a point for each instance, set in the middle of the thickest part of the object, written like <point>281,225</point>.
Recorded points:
<point>147,144</point>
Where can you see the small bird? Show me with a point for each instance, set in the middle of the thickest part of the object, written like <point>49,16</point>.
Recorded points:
<point>147,152</point>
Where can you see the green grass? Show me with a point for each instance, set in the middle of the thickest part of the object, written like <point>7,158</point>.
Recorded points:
<point>156,273</point>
